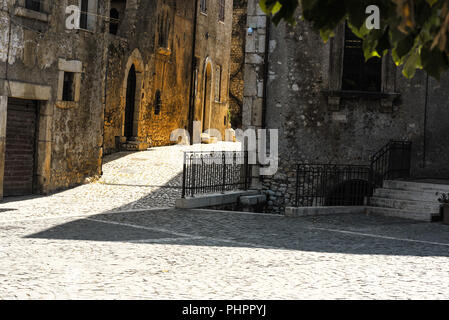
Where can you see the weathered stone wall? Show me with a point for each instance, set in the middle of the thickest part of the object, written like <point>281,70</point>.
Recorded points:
<point>165,67</point>
<point>312,131</point>
<point>213,47</point>
<point>237,63</point>
<point>69,149</point>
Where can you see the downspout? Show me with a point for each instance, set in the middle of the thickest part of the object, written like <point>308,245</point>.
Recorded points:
<point>106,44</point>
<point>426,102</point>
<point>265,75</point>
<point>192,76</point>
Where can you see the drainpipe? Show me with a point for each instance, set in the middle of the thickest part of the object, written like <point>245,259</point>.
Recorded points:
<point>106,44</point>
<point>424,158</point>
<point>265,76</point>
<point>192,77</point>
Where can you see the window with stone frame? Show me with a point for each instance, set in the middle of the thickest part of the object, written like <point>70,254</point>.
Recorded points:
<point>203,6</point>
<point>69,83</point>
<point>68,90</point>
<point>346,66</point>
<point>358,74</point>
<point>221,10</point>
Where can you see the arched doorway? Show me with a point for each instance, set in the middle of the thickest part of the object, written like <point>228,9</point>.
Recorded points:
<point>207,96</point>
<point>130,102</point>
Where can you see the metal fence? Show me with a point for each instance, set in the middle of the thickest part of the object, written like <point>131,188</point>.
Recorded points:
<point>349,185</point>
<point>392,162</point>
<point>215,172</point>
<point>332,185</point>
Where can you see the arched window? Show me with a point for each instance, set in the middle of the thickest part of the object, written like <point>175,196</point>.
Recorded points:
<point>164,30</point>
<point>113,25</point>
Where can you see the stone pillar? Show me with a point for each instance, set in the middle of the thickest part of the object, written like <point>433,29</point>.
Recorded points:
<point>3,115</point>
<point>254,79</point>
<point>44,144</point>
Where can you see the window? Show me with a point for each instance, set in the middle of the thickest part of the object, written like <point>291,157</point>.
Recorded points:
<point>68,92</point>
<point>88,14</point>
<point>69,83</point>
<point>157,103</point>
<point>359,75</point>
<point>164,30</point>
<point>116,14</point>
<point>218,84</point>
<point>113,24</point>
<point>203,6</point>
<point>84,13</point>
<point>221,10</point>
<point>33,5</point>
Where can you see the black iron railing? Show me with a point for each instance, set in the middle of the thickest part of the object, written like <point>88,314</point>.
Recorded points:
<point>350,185</point>
<point>215,172</point>
<point>332,185</point>
<point>392,162</point>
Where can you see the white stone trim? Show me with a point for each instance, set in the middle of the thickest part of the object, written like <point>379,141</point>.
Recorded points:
<point>28,91</point>
<point>31,14</point>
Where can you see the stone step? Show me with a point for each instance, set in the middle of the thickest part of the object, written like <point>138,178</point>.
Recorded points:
<point>134,146</point>
<point>406,214</point>
<point>406,195</point>
<point>432,207</point>
<point>415,186</point>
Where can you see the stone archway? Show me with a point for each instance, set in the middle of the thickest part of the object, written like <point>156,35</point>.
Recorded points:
<point>207,95</point>
<point>134,76</point>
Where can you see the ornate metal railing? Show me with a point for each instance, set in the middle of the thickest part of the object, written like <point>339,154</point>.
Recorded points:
<point>350,185</point>
<point>392,162</point>
<point>215,172</point>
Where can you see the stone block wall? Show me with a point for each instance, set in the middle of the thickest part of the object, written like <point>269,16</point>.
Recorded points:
<point>69,143</point>
<point>312,130</point>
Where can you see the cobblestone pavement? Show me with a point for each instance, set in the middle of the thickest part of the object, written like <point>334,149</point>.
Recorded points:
<point>200,254</point>
<point>141,180</point>
<point>110,239</point>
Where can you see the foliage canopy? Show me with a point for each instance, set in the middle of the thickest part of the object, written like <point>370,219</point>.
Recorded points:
<point>415,32</point>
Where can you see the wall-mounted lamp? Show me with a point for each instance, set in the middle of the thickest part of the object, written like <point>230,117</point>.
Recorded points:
<point>250,31</point>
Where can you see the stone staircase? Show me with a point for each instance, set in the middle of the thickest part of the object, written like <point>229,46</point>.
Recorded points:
<point>407,199</point>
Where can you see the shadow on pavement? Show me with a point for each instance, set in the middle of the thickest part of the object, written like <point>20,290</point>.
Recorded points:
<point>346,234</point>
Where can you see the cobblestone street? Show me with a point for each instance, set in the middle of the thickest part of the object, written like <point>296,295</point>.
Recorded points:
<point>119,238</point>
<point>167,254</point>
<point>150,179</point>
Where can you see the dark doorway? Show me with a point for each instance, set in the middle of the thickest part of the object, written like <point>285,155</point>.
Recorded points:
<point>20,147</point>
<point>349,193</point>
<point>130,102</point>
<point>207,102</point>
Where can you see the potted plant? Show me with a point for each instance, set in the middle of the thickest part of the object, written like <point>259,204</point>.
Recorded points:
<point>444,200</point>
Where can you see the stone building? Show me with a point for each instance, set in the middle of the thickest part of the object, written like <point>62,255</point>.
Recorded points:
<point>168,66</point>
<point>129,74</point>
<point>51,96</point>
<point>237,63</point>
<point>331,107</point>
